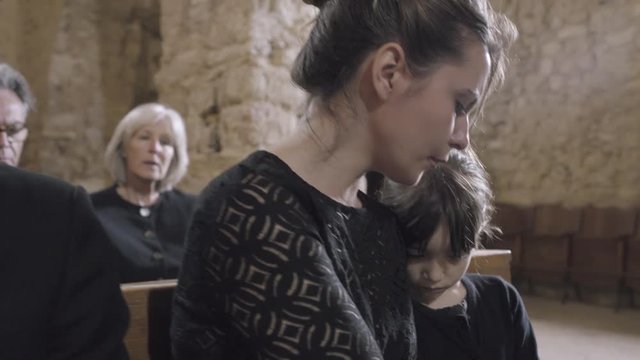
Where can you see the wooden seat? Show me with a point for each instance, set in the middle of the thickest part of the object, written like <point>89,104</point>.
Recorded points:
<point>598,248</point>
<point>491,262</point>
<point>514,222</point>
<point>547,250</point>
<point>150,306</point>
<point>150,317</point>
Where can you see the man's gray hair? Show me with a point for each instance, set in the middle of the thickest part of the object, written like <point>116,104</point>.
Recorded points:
<point>12,80</point>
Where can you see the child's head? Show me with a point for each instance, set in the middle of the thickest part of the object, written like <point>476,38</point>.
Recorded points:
<point>444,217</point>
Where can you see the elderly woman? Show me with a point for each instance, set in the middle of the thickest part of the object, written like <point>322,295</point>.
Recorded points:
<point>145,216</point>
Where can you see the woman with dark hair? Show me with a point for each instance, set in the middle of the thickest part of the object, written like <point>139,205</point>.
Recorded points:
<point>286,258</point>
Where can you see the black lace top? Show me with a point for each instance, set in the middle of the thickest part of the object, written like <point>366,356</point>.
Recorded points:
<point>274,269</point>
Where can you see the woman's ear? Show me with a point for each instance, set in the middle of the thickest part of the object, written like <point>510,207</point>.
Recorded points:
<point>389,71</point>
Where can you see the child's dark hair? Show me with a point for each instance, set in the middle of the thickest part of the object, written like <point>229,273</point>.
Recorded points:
<point>457,192</point>
<point>429,31</point>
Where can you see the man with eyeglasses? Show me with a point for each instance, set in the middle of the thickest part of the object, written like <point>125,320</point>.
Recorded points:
<point>59,291</point>
<point>15,102</point>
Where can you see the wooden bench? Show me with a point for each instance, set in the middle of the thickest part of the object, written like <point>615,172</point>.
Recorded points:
<point>150,317</point>
<point>150,306</point>
<point>491,262</point>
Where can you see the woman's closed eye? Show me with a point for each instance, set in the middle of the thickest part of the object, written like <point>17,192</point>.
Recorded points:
<point>460,109</point>
<point>143,136</point>
<point>463,110</point>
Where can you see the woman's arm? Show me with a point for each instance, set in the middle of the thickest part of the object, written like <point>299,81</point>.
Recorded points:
<point>257,271</point>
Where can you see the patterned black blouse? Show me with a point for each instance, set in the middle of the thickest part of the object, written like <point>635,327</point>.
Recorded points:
<point>274,269</point>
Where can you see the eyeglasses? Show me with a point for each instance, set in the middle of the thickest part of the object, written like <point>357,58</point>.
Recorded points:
<point>13,130</point>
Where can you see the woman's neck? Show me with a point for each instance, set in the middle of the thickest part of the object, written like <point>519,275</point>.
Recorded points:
<point>329,156</point>
<point>139,192</point>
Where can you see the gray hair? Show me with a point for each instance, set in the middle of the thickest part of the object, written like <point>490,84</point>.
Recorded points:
<point>12,80</point>
<point>138,117</point>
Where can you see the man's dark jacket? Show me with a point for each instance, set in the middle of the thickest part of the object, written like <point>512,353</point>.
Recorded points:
<point>59,296</point>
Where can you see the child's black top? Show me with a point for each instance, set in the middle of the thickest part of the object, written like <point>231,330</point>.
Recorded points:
<point>274,269</point>
<point>490,324</point>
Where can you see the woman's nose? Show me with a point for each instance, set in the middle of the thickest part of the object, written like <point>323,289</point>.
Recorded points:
<point>460,136</point>
<point>155,146</point>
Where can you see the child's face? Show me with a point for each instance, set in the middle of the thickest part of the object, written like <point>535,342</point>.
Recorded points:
<point>435,270</point>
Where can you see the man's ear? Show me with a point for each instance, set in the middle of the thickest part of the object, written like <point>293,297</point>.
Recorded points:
<point>389,70</point>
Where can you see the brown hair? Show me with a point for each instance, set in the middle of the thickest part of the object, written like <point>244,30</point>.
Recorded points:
<point>430,32</point>
<point>457,192</point>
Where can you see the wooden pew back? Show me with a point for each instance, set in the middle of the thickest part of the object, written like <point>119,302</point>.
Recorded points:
<point>150,317</point>
<point>150,306</point>
<point>491,262</point>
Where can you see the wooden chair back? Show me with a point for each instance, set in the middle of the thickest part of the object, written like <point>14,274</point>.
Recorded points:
<point>607,222</point>
<point>491,262</point>
<point>599,247</point>
<point>514,222</point>
<point>150,319</point>
<point>556,220</point>
<point>547,250</point>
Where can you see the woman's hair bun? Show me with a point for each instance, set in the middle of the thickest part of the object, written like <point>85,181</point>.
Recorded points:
<point>316,3</point>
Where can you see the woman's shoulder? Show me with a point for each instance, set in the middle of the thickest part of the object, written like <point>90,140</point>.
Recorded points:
<point>261,177</point>
<point>103,197</point>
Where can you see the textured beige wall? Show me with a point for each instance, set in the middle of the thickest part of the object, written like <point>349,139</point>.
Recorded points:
<point>8,29</point>
<point>225,67</point>
<point>103,61</point>
<point>88,62</point>
<point>566,127</point>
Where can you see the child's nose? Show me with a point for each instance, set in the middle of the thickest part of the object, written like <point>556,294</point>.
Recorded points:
<point>433,273</point>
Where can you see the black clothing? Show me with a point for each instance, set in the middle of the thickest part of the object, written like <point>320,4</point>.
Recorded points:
<point>149,247</point>
<point>491,324</point>
<point>276,269</point>
<point>59,294</point>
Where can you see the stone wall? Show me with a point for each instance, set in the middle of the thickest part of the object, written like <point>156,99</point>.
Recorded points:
<point>566,127</point>
<point>88,62</point>
<point>225,67</point>
<point>9,29</point>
